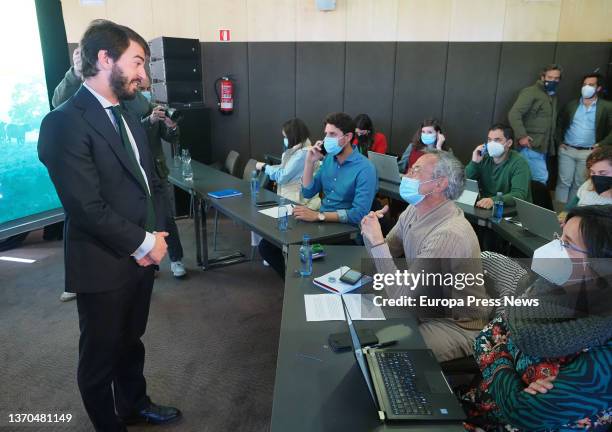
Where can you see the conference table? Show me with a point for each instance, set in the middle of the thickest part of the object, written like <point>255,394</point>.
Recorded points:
<point>317,389</point>
<point>242,210</point>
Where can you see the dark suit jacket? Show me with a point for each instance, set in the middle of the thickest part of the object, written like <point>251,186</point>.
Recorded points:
<point>105,205</point>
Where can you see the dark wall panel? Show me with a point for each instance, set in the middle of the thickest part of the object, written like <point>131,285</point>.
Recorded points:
<point>469,94</point>
<point>578,59</point>
<point>229,132</point>
<point>520,66</point>
<point>369,76</point>
<point>272,94</point>
<point>420,73</point>
<point>319,82</point>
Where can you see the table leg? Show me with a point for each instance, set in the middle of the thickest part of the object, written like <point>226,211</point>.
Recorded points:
<point>199,222</point>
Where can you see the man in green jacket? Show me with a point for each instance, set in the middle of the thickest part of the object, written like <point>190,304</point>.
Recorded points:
<point>157,126</point>
<point>584,123</point>
<point>533,117</point>
<point>499,169</point>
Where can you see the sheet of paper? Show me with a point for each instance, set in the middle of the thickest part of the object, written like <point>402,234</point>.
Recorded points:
<point>273,211</point>
<point>468,198</point>
<point>361,307</point>
<point>323,307</point>
<point>328,307</point>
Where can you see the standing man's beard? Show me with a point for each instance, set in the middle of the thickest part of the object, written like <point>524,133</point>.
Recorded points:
<point>120,85</point>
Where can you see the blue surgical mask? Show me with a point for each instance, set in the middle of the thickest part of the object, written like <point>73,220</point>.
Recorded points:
<point>428,138</point>
<point>495,149</point>
<point>551,87</point>
<point>331,145</point>
<point>147,94</point>
<point>286,142</point>
<point>409,190</point>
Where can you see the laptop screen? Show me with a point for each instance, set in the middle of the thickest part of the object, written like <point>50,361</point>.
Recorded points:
<point>358,352</point>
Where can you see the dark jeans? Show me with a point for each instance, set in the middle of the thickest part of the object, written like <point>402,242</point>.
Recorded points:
<point>175,249</point>
<point>111,354</point>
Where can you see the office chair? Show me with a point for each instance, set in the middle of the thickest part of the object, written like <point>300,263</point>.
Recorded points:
<point>541,195</point>
<point>230,165</point>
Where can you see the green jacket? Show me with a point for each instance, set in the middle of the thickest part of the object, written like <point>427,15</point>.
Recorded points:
<point>603,121</point>
<point>512,177</point>
<point>139,107</point>
<point>534,114</point>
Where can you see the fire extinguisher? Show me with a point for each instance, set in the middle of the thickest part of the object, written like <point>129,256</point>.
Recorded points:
<point>224,88</point>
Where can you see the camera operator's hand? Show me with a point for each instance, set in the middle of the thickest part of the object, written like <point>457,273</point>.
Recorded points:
<point>169,123</point>
<point>158,113</point>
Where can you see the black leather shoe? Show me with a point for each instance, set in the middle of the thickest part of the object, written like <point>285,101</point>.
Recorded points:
<point>154,414</point>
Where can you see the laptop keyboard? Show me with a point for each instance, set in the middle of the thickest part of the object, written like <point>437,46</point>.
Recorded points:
<point>400,381</point>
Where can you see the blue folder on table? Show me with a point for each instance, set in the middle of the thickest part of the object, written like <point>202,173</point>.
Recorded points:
<point>225,193</point>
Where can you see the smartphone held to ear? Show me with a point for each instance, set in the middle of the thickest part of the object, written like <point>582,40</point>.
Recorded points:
<point>321,149</point>
<point>483,151</point>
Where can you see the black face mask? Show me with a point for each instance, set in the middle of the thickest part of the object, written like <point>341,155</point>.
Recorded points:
<point>601,183</point>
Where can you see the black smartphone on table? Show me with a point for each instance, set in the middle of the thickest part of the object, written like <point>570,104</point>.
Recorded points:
<point>265,203</point>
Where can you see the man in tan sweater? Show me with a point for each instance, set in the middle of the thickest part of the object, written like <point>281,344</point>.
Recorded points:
<point>434,237</point>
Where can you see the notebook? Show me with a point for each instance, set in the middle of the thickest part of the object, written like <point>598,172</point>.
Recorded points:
<point>331,281</point>
<point>225,193</point>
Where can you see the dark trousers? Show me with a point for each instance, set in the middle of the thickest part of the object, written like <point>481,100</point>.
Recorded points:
<point>175,248</point>
<point>273,255</point>
<point>111,354</point>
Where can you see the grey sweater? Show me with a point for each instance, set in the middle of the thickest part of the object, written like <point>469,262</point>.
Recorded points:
<point>442,241</point>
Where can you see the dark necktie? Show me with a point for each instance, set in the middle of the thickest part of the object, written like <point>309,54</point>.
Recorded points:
<point>135,168</point>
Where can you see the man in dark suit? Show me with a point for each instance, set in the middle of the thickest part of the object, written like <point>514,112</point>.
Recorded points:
<point>99,162</point>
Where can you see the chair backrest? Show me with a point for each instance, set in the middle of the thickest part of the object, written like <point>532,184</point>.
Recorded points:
<point>541,195</point>
<point>231,162</point>
<point>505,273</point>
<point>248,169</point>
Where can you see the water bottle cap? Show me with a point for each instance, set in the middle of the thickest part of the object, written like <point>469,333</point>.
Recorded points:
<point>306,237</point>
<point>499,193</point>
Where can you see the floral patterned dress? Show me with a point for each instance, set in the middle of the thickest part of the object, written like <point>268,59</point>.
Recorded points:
<point>498,403</point>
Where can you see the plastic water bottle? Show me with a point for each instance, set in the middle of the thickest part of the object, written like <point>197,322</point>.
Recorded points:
<point>177,157</point>
<point>283,215</point>
<point>498,208</point>
<point>305,257</point>
<point>186,169</point>
<point>254,186</point>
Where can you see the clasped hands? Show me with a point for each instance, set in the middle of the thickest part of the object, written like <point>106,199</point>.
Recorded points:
<point>158,252</point>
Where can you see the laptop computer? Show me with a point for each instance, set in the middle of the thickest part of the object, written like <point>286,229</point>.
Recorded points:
<point>538,220</point>
<point>405,384</point>
<point>470,193</point>
<point>386,167</point>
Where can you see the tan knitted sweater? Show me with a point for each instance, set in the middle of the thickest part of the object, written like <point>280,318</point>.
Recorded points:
<point>442,233</point>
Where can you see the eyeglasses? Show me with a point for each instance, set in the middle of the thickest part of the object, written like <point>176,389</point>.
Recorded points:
<point>568,245</point>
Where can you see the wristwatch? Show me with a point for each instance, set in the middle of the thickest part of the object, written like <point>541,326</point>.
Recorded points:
<point>321,217</point>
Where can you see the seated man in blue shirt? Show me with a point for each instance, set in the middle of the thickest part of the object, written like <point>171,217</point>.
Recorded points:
<point>346,178</point>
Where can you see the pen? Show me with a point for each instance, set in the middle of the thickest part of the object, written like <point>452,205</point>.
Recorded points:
<point>384,344</point>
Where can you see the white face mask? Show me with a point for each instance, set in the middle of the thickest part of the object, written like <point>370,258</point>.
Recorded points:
<point>553,263</point>
<point>588,91</point>
<point>495,149</point>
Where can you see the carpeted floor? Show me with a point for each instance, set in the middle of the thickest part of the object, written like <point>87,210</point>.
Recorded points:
<point>211,340</point>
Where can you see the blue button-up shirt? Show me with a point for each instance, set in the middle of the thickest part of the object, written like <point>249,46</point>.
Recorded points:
<point>581,132</point>
<point>349,188</point>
